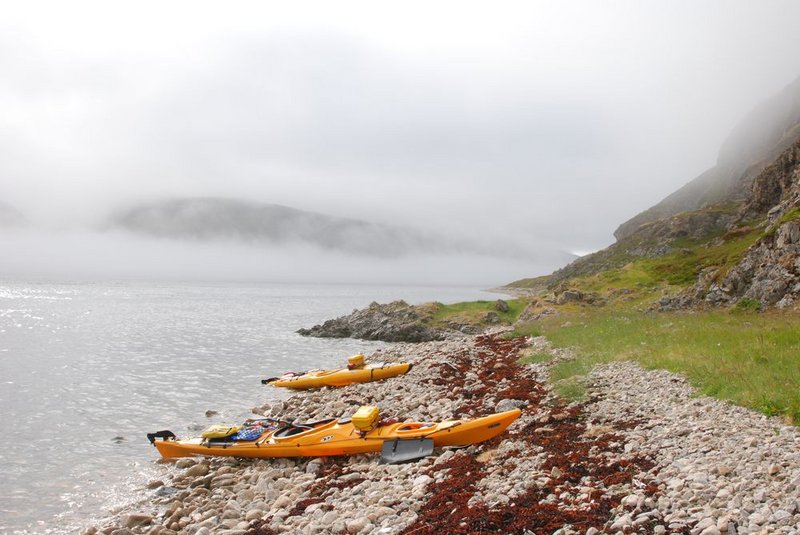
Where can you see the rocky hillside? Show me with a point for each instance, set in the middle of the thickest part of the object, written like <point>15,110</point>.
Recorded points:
<point>715,241</point>
<point>769,270</point>
<point>756,141</point>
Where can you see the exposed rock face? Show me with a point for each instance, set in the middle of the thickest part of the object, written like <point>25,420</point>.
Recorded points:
<point>758,139</point>
<point>392,322</point>
<point>775,189</point>
<point>769,272</point>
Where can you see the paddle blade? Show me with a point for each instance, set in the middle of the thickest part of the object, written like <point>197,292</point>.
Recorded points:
<point>400,451</point>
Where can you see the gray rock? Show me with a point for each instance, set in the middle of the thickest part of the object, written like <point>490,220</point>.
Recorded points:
<point>198,470</point>
<point>357,525</point>
<point>314,466</point>
<point>509,404</point>
<point>186,462</point>
<point>393,322</point>
<point>621,523</point>
<point>134,520</point>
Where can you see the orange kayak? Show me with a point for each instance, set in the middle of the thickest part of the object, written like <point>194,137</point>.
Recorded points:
<point>342,377</point>
<point>336,437</point>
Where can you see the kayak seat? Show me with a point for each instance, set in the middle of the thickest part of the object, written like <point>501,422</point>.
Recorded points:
<point>291,430</point>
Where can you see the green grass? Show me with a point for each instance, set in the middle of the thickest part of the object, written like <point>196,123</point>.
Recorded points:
<point>526,329</point>
<point>791,215</point>
<point>749,305</point>
<point>570,389</point>
<point>748,358</point>
<point>475,311</point>
<point>648,277</point>
<point>534,358</point>
<point>535,282</point>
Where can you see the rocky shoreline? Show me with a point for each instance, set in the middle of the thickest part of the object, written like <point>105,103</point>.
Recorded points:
<point>400,322</point>
<point>642,455</point>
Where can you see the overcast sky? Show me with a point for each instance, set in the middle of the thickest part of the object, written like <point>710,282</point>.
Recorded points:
<point>555,121</point>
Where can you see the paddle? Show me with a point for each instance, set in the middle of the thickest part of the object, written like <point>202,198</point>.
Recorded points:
<point>400,451</point>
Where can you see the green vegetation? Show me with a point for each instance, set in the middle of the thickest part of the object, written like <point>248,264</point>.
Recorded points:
<point>526,329</point>
<point>648,276</point>
<point>475,312</point>
<point>535,357</point>
<point>570,389</point>
<point>749,359</point>
<point>749,305</point>
<point>791,215</point>
<point>535,282</point>
<point>742,354</point>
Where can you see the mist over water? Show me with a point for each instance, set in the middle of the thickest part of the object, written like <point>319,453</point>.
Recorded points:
<point>89,368</point>
<point>95,255</point>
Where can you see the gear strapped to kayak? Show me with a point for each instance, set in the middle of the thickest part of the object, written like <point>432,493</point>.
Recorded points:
<point>365,432</point>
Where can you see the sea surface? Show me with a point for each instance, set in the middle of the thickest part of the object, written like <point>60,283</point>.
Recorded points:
<point>87,369</point>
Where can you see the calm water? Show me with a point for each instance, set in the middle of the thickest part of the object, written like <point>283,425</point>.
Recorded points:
<point>87,369</point>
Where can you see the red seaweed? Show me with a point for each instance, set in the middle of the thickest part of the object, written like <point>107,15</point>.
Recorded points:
<point>573,461</point>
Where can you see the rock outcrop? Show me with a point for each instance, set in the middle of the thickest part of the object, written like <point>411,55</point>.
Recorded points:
<point>769,271</point>
<point>392,322</point>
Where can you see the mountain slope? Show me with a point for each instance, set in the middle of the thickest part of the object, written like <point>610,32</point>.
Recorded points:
<point>753,144</point>
<point>739,243</point>
<point>228,219</point>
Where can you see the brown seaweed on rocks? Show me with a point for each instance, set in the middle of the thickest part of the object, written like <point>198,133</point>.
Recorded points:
<point>577,484</point>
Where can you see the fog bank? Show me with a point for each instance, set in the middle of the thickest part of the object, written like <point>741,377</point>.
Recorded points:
<point>117,255</point>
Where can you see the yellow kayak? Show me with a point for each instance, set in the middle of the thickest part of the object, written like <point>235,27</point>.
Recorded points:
<point>342,377</point>
<point>337,437</point>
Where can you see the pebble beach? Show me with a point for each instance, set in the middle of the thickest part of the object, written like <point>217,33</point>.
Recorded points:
<point>643,454</point>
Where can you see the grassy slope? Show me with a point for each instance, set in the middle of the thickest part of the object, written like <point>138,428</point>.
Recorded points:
<point>474,312</point>
<point>739,355</point>
<point>745,357</point>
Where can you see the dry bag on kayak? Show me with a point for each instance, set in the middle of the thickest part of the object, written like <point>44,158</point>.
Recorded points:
<point>366,418</point>
<point>356,361</point>
<point>220,431</point>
